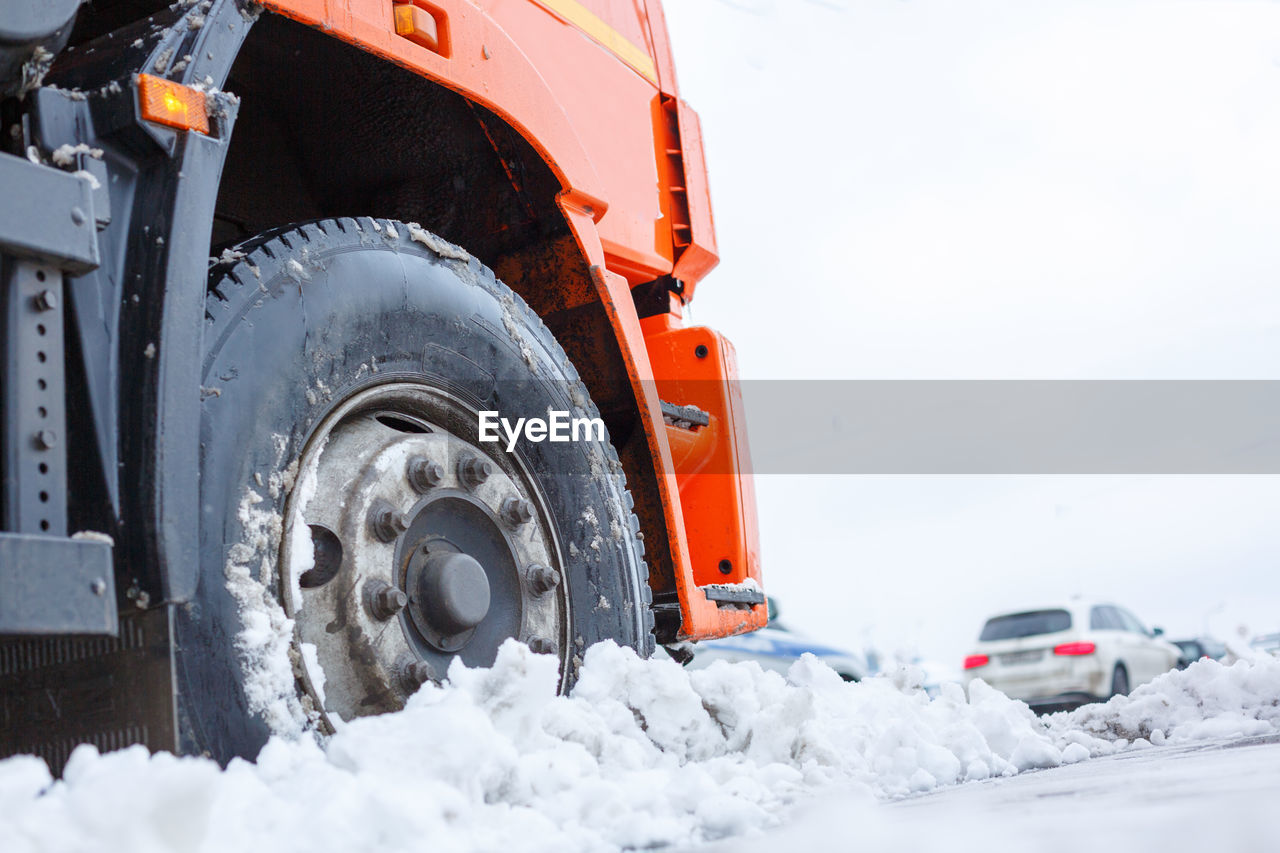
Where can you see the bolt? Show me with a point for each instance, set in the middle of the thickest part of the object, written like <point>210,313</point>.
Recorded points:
<point>384,599</point>
<point>46,439</point>
<point>384,522</point>
<point>414,674</point>
<point>77,216</point>
<point>99,586</point>
<point>517,511</point>
<point>424,474</point>
<point>474,470</point>
<point>46,300</point>
<point>542,645</point>
<point>543,579</point>
<point>701,351</point>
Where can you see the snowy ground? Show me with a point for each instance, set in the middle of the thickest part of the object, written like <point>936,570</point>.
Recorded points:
<point>1211,797</point>
<point>642,754</point>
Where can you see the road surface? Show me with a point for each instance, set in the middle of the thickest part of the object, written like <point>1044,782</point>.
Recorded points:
<point>1216,797</point>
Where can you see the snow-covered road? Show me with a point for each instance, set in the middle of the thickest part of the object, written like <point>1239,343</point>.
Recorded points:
<point>1221,797</point>
<point>645,754</point>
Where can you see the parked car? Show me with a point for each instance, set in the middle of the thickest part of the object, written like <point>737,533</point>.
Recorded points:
<point>776,647</point>
<point>1197,648</point>
<point>1269,643</point>
<point>1061,657</point>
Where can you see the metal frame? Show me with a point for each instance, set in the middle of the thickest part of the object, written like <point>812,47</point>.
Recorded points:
<point>70,423</point>
<point>122,394</point>
<point>115,261</point>
<point>73,590</point>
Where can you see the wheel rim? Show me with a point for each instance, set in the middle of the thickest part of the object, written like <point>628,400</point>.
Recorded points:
<point>428,546</point>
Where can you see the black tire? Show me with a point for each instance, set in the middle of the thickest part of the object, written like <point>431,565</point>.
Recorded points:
<point>300,318</point>
<point>1120,681</point>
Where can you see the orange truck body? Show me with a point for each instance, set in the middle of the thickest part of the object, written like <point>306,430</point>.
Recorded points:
<point>591,85</point>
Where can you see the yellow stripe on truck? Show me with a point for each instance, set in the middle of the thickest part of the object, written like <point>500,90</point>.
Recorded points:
<point>617,44</point>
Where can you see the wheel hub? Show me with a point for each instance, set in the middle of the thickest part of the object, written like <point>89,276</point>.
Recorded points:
<point>450,596</point>
<point>427,548</point>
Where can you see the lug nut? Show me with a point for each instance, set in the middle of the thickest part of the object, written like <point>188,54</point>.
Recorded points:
<point>384,522</point>
<point>543,579</point>
<point>473,470</point>
<point>46,300</point>
<point>424,474</point>
<point>416,673</point>
<point>517,511</point>
<point>542,645</point>
<point>384,599</point>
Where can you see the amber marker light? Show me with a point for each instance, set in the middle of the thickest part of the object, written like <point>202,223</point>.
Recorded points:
<point>419,25</point>
<point>172,104</point>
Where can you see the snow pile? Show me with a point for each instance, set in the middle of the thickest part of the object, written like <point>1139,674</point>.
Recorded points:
<point>642,754</point>
<point>1206,701</point>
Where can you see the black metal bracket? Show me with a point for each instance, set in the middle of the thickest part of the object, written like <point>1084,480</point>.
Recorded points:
<point>33,400</point>
<point>48,583</point>
<point>727,594</point>
<point>684,417</point>
<point>654,297</point>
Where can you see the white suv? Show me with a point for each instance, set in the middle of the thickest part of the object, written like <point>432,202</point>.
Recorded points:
<point>1061,657</point>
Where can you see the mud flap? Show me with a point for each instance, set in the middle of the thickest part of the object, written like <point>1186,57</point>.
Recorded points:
<point>58,692</point>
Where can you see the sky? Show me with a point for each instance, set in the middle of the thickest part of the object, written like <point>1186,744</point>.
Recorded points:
<point>917,189</point>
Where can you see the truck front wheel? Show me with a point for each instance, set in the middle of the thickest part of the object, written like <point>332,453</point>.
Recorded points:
<point>357,534</point>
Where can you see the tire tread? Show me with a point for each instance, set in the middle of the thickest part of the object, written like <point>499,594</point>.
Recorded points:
<point>266,255</point>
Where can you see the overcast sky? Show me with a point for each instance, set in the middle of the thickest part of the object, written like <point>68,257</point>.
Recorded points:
<point>911,189</point>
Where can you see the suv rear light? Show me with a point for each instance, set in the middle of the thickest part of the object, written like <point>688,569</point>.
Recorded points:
<point>975,661</point>
<point>1074,649</point>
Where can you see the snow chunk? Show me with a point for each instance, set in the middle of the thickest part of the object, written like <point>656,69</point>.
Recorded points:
<point>443,248</point>
<point>65,155</point>
<point>746,585</point>
<point>94,183</point>
<point>266,637</point>
<point>93,536</point>
<point>34,69</point>
<point>302,552</point>
<point>297,271</point>
<point>310,658</point>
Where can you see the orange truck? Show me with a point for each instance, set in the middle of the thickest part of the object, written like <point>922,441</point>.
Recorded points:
<point>344,340</point>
